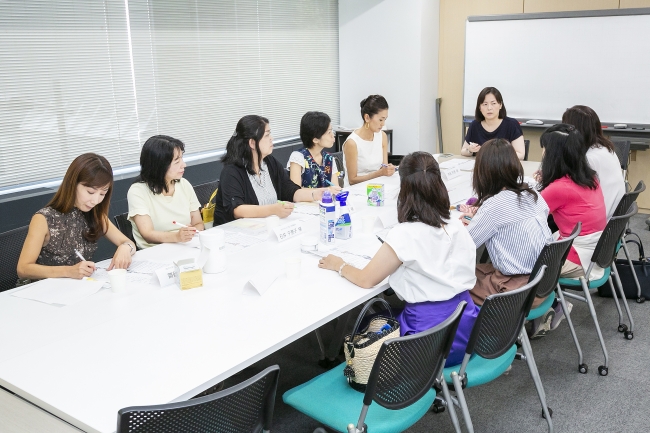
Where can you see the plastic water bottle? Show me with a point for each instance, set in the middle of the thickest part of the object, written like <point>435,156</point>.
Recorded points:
<point>343,227</point>
<point>327,209</point>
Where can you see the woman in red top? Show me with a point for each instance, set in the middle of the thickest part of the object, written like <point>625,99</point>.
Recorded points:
<point>573,194</point>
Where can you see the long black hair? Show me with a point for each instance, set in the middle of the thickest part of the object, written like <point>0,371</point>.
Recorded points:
<point>498,168</point>
<point>155,158</point>
<point>423,196</point>
<point>564,156</point>
<point>238,150</point>
<point>587,122</point>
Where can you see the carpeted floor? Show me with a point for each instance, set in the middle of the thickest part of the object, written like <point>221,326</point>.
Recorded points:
<point>580,403</point>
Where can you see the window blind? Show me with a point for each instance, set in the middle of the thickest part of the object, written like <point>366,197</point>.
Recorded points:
<point>82,76</point>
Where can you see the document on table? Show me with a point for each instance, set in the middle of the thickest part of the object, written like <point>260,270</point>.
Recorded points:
<point>467,165</point>
<point>358,260</point>
<point>131,277</point>
<point>60,291</point>
<point>306,208</point>
<point>145,266</point>
<point>236,241</point>
<point>460,194</point>
<point>451,163</point>
<point>246,226</point>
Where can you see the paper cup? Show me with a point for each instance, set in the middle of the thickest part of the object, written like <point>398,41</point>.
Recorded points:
<point>272,222</point>
<point>292,267</point>
<point>368,224</point>
<point>117,278</point>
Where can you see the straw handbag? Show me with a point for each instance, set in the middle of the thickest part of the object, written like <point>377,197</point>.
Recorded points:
<point>207,213</point>
<point>361,348</point>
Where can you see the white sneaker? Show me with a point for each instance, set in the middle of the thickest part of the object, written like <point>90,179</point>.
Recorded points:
<point>559,314</point>
<point>542,325</point>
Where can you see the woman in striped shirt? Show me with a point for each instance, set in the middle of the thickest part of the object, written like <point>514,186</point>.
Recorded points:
<point>509,218</point>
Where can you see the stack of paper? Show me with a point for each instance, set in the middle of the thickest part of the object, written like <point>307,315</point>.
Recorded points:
<point>59,291</point>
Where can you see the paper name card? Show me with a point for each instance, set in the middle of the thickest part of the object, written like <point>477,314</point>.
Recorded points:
<point>450,173</point>
<point>166,275</point>
<point>288,231</point>
<point>188,274</point>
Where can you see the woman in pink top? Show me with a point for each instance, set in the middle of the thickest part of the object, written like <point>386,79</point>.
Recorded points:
<point>571,189</point>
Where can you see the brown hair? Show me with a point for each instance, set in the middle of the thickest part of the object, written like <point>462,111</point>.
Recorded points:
<point>587,122</point>
<point>481,97</point>
<point>497,168</point>
<point>90,170</point>
<point>423,196</point>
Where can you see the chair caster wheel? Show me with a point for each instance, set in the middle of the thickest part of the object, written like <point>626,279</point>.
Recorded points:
<point>640,300</point>
<point>437,407</point>
<point>622,328</point>
<point>629,335</point>
<point>583,369</point>
<point>602,370</point>
<point>550,412</point>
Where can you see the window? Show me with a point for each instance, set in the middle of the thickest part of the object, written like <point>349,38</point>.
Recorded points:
<point>81,76</point>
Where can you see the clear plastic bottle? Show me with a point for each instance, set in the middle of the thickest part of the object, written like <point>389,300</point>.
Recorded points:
<point>327,218</point>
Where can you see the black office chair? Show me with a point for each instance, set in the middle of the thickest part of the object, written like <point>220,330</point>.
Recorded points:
<point>623,205</point>
<point>11,244</point>
<point>205,190</point>
<point>124,225</point>
<point>526,147</point>
<point>338,157</point>
<point>244,408</point>
<point>622,148</point>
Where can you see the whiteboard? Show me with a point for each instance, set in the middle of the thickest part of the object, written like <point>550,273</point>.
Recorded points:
<point>545,64</point>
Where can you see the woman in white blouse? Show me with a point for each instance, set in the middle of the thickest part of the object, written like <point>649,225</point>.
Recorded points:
<point>428,257</point>
<point>365,152</point>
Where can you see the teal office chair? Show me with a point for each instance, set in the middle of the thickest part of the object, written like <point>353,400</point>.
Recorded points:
<point>492,346</point>
<point>401,382</point>
<point>553,256</point>
<point>603,256</point>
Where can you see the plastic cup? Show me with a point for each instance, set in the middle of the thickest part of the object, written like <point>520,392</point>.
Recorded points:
<point>117,278</point>
<point>368,224</point>
<point>309,243</point>
<point>292,267</point>
<point>272,222</point>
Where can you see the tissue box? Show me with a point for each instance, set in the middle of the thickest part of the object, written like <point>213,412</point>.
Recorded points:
<point>375,194</point>
<point>188,274</point>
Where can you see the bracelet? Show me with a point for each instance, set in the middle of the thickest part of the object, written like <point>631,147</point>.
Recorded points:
<point>130,247</point>
<point>341,269</point>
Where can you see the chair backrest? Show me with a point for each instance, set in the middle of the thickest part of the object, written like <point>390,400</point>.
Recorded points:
<point>501,318</point>
<point>124,225</point>
<point>622,148</point>
<point>526,148</point>
<point>553,256</point>
<point>204,191</point>
<point>606,248</point>
<point>338,157</point>
<point>244,408</point>
<point>11,244</point>
<point>629,198</point>
<point>406,367</point>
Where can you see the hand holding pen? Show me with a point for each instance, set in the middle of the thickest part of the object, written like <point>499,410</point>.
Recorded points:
<point>387,170</point>
<point>82,269</point>
<point>185,233</point>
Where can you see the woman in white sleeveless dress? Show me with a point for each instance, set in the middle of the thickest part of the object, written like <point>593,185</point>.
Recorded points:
<point>365,152</point>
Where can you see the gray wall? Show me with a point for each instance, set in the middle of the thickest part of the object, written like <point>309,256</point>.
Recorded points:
<point>16,210</point>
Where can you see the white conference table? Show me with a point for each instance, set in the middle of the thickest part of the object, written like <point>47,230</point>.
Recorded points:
<point>154,345</point>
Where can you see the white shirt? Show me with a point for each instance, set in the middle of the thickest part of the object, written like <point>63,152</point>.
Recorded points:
<point>370,154</point>
<point>437,263</point>
<point>610,176</point>
<point>162,209</point>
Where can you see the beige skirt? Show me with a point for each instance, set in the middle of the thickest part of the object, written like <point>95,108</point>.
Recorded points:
<point>490,281</point>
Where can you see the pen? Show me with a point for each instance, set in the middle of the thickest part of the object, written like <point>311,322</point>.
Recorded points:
<point>385,165</point>
<point>79,255</point>
<point>182,225</point>
<point>380,239</point>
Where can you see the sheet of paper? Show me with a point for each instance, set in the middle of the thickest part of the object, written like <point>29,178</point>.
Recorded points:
<point>59,291</point>
<point>306,208</point>
<point>255,227</point>
<point>460,195</point>
<point>451,163</point>
<point>237,241</point>
<point>467,165</point>
<point>145,266</point>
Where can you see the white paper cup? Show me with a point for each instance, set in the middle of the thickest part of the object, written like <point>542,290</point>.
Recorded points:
<point>117,277</point>
<point>309,243</point>
<point>272,222</point>
<point>368,224</point>
<point>292,267</point>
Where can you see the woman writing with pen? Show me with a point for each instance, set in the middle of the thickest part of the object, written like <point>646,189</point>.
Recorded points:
<point>162,204</point>
<point>64,234</point>
<point>253,183</point>
<point>365,153</point>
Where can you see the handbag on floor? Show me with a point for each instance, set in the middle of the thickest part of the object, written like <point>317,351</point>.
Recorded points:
<point>642,269</point>
<point>361,347</point>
